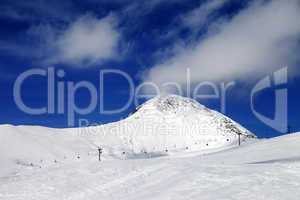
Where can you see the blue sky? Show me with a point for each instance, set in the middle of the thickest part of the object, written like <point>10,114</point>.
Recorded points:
<point>220,41</point>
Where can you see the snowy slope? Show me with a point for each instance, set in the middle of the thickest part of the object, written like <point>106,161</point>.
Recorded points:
<point>265,169</point>
<point>163,125</point>
<point>33,146</point>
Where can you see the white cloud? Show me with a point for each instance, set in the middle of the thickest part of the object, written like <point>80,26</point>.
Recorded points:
<point>86,41</point>
<point>257,39</point>
<point>194,20</point>
<point>199,16</point>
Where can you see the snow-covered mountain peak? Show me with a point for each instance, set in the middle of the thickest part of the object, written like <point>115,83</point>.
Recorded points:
<point>177,122</point>
<point>171,105</point>
<point>174,104</point>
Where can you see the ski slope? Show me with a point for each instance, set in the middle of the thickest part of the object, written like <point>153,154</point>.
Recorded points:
<point>265,169</point>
